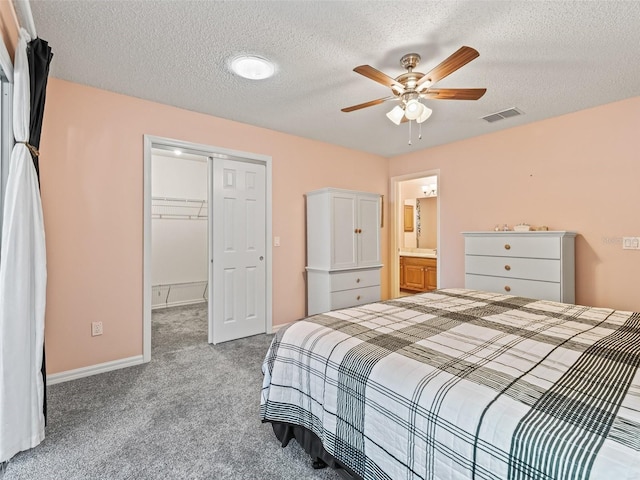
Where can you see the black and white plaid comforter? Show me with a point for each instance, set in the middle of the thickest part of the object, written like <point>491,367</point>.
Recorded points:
<point>464,384</point>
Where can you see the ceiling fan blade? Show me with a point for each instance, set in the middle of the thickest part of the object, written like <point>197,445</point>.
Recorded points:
<point>454,93</point>
<point>458,59</point>
<point>367,104</point>
<point>377,76</point>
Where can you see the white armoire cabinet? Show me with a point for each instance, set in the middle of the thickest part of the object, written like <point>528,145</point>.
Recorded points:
<point>343,249</point>
<point>537,265</point>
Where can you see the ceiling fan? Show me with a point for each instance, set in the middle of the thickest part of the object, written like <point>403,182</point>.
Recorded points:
<point>410,87</point>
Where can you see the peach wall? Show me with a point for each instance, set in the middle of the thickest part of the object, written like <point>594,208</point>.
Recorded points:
<point>92,194</point>
<point>8,26</point>
<point>574,172</point>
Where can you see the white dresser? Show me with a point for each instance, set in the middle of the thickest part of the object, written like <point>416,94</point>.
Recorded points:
<point>537,265</point>
<point>343,249</point>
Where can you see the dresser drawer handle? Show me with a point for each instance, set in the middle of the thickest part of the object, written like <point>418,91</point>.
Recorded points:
<point>507,247</point>
<point>358,297</point>
<point>357,280</point>
<point>507,288</point>
<point>507,267</point>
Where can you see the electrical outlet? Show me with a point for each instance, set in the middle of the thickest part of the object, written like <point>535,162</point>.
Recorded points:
<point>276,241</point>
<point>631,243</point>
<point>96,329</point>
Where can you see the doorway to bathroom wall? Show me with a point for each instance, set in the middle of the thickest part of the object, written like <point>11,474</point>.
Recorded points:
<point>416,232</point>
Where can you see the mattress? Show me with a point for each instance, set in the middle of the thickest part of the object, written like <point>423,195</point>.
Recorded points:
<point>463,384</point>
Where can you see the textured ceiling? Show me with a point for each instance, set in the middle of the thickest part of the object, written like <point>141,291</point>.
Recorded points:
<point>545,57</point>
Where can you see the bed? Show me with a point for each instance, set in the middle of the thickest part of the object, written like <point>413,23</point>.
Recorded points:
<point>460,384</point>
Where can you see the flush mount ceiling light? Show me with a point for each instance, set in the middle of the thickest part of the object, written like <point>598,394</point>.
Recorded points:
<point>252,67</point>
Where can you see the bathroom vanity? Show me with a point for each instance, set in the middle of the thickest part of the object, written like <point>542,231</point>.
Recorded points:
<point>418,271</point>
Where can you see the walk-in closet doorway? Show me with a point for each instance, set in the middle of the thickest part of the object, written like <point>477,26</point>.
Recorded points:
<point>179,254</point>
<point>207,238</point>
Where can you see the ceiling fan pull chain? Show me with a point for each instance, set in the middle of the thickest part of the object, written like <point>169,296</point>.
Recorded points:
<point>410,132</point>
<point>419,131</point>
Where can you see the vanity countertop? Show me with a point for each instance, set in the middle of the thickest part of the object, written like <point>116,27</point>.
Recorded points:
<point>420,253</point>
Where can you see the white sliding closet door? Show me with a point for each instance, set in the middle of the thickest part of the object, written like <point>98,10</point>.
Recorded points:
<point>237,229</point>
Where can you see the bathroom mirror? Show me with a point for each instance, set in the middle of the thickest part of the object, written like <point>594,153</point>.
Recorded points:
<point>428,222</point>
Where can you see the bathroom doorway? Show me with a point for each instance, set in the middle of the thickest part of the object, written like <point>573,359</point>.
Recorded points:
<point>415,257</point>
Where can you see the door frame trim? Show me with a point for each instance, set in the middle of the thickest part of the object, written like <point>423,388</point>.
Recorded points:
<point>213,152</point>
<point>397,212</point>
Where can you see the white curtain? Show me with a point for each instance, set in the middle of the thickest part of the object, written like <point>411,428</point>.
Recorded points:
<point>23,278</point>
<point>5,61</point>
<point>7,69</point>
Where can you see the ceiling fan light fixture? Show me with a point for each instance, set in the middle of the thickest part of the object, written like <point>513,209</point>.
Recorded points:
<point>411,87</point>
<point>413,110</point>
<point>252,67</point>
<point>424,85</point>
<point>396,114</point>
<point>426,113</point>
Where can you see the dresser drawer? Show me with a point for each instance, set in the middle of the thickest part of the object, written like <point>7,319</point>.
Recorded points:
<point>356,296</point>
<point>354,279</point>
<point>514,286</point>
<point>513,246</point>
<point>524,268</point>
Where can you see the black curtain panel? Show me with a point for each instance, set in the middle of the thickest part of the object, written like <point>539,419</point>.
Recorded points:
<point>39,57</point>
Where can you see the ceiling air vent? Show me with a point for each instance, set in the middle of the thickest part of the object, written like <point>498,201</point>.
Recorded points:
<point>509,112</point>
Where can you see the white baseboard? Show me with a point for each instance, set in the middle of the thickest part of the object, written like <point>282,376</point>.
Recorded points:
<point>93,369</point>
<point>178,304</point>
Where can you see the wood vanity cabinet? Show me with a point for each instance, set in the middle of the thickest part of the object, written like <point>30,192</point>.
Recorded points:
<point>418,274</point>
<point>431,274</point>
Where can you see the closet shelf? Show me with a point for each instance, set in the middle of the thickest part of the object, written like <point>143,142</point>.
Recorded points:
<point>184,208</point>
